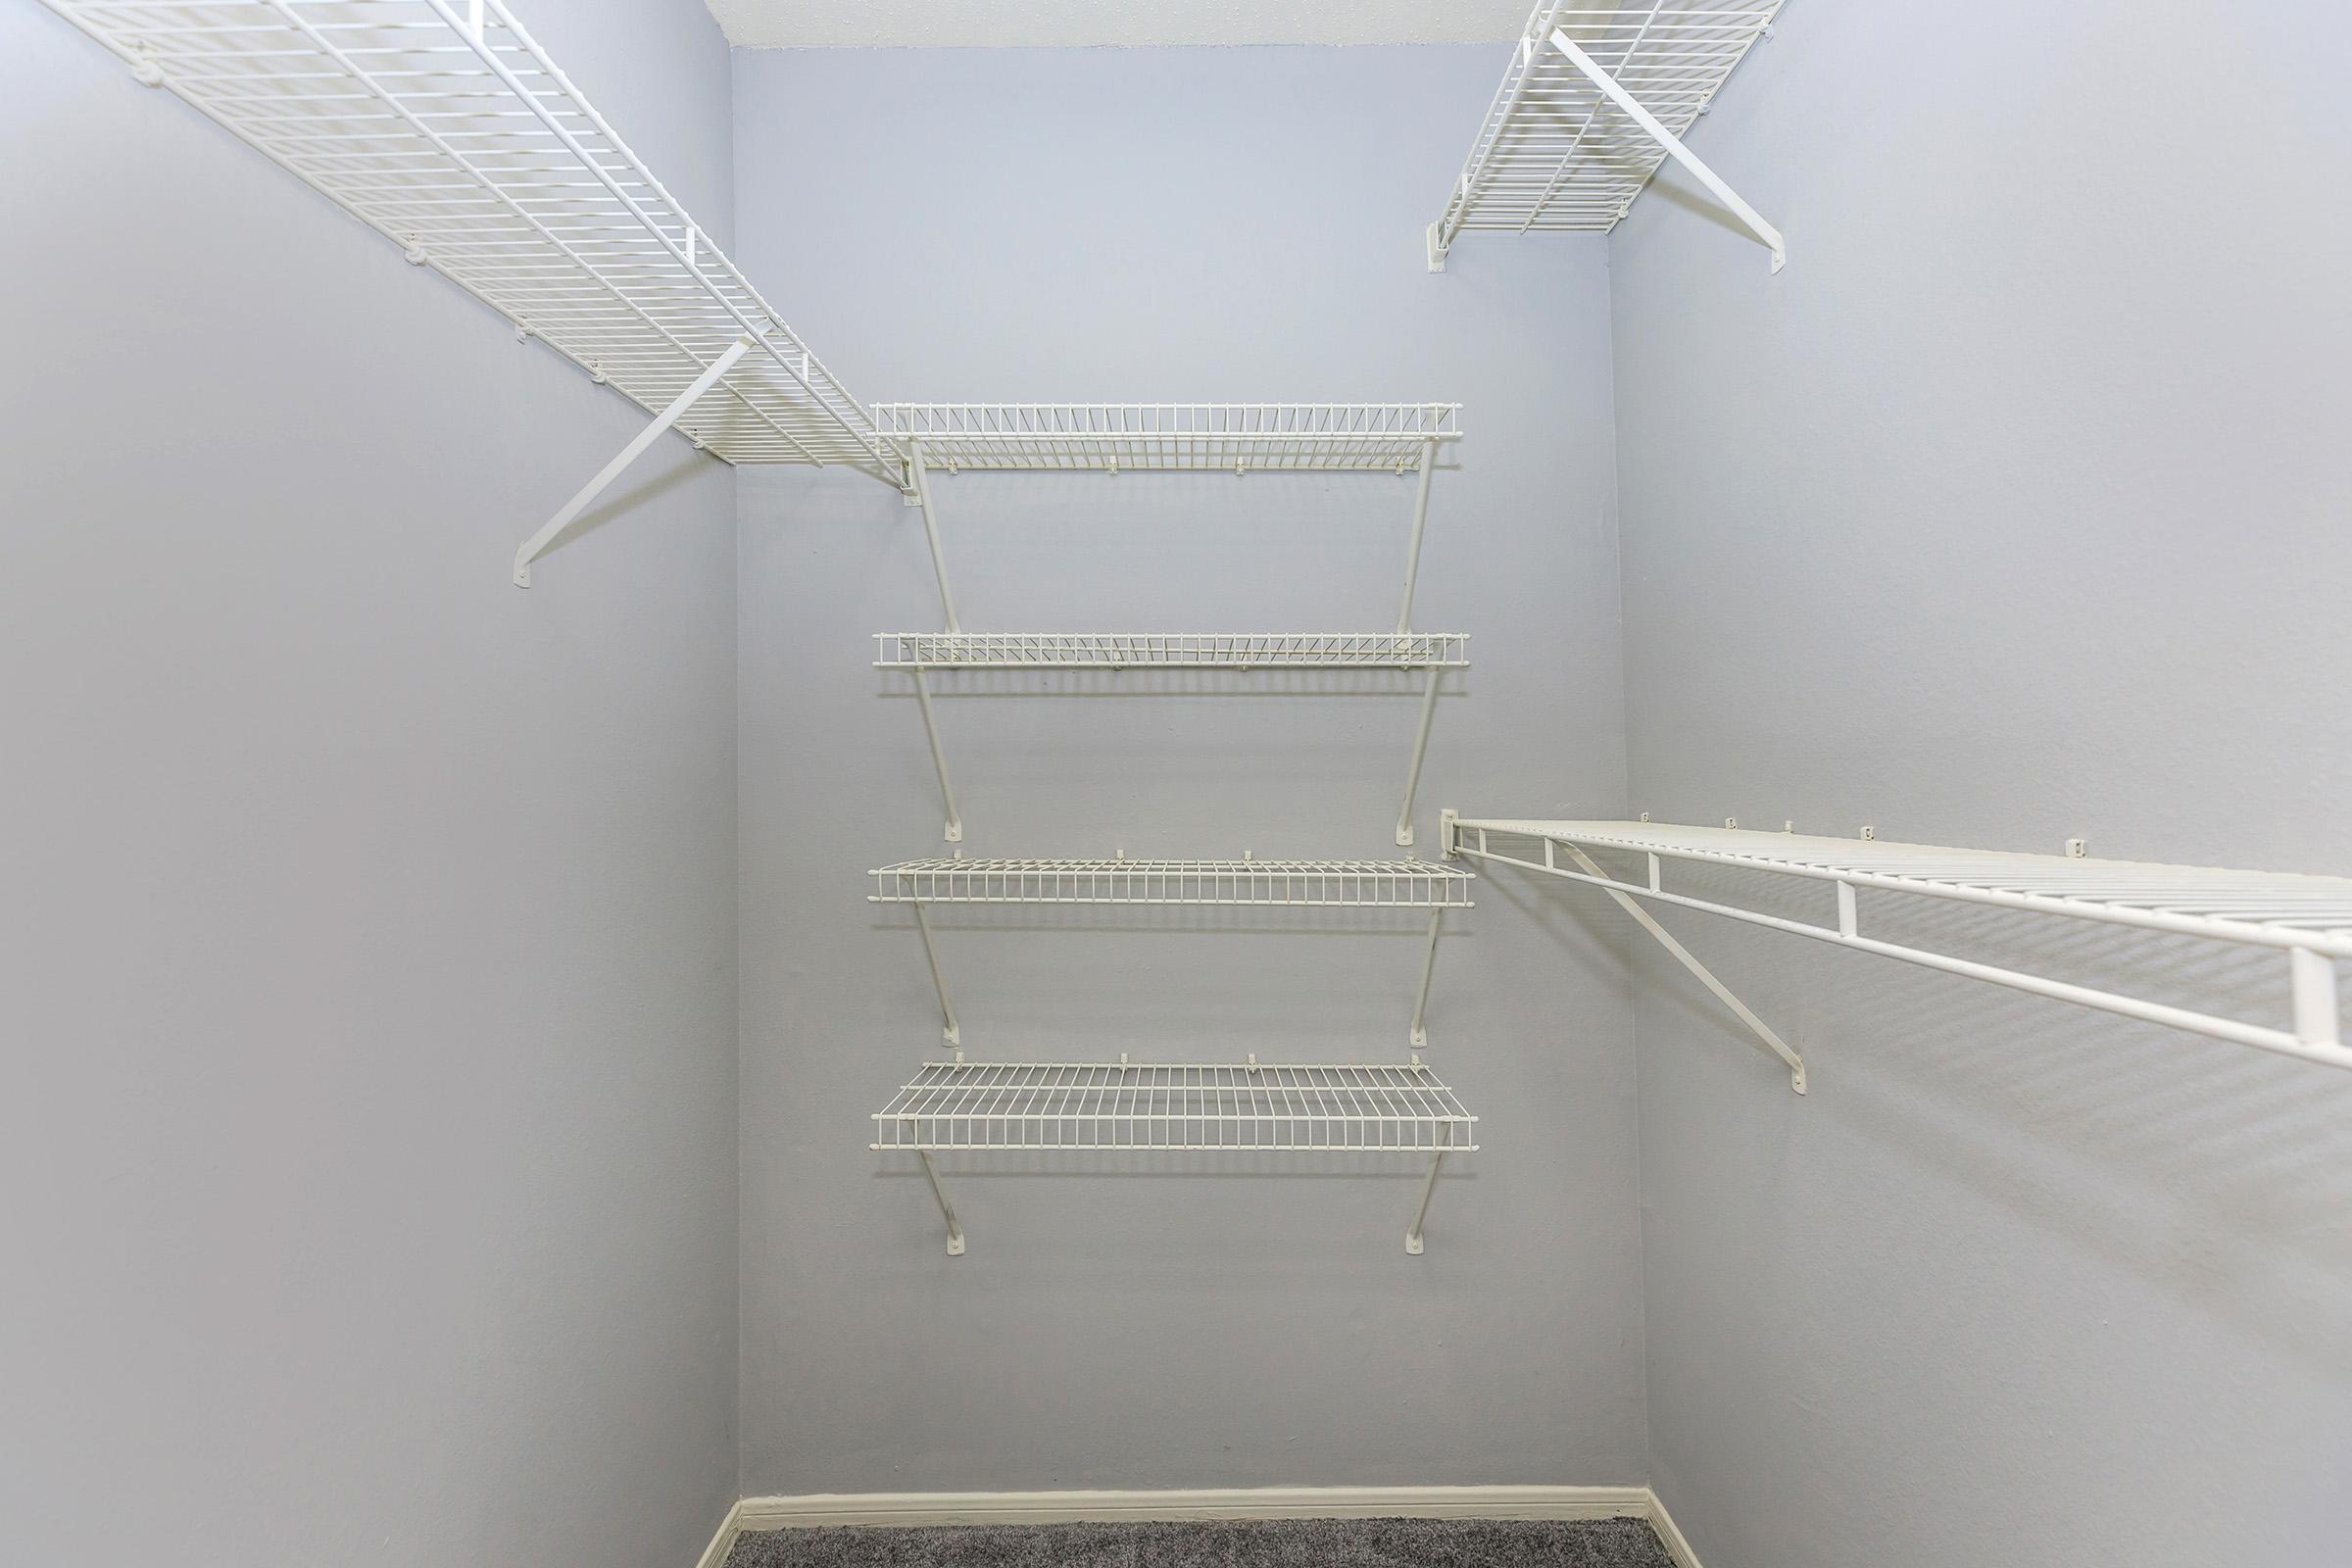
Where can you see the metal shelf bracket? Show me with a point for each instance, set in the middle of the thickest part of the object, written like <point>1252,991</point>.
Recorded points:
<point>1672,144</point>
<point>949,1030</point>
<point>1454,848</point>
<point>946,1209</point>
<point>536,544</point>
<point>1412,1235</point>
<point>1429,964</point>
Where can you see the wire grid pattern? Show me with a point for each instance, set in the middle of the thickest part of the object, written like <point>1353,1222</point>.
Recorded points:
<point>447,129</point>
<point>1111,436</point>
<point>1325,884</point>
<point>1553,152</point>
<point>2270,909</point>
<point>930,650</point>
<point>1014,1105</point>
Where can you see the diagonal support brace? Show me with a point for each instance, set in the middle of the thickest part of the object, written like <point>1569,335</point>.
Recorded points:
<point>920,473</point>
<point>1429,964</point>
<point>1412,1236</point>
<point>949,1031</point>
<point>954,1230</point>
<point>1412,774</point>
<point>939,755</point>
<point>1672,144</point>
<point>1707,977</point>
<point>1412,549</point>
<point>537,543</point>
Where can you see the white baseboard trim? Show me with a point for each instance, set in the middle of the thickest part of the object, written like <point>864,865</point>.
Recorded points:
<point>1257,1502</point>
<point>714,1555</point>
<point>1671,1533</point>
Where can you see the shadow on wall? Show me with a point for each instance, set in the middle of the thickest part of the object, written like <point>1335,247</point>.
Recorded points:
<point>2217,1173</point>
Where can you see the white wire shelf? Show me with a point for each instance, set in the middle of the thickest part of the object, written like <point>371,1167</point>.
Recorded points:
<point>1065,1105</point>
<point>1243,437</point>
<point>1555,151</point>
<point>446,129</point>
<point>930,650</point>
<point>2309,919</point>
<point>1326,884</point>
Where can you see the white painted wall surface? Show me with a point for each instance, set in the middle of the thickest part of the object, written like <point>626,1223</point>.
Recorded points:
<point>366,925</point>
<point>2013,510</point>
<point>1106,225</point>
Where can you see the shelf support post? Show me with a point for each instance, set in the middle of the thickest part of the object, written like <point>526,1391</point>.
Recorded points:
<point>1672,144</point>
<point>1707,977</point>
<point>1429,963</point>
<point>954,1230</point>
<point>1412,549</point>
<point>939,562</point>
<point>538,542</point>
<point>1412,774</point>
<point>1412,1237</point>
<point>939,758</point>
<point>948,1031</point>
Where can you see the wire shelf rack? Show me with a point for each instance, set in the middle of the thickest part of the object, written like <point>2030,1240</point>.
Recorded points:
<point>1327,884</point>
<point>1108,437</point>
<point>446,129</point>
<point>2307,918</point>
<point>926,650</point>
<point>1065,1105</point>
<point>1555,152</point>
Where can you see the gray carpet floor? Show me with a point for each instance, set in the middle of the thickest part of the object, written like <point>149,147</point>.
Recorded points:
<point>1217,1544</point>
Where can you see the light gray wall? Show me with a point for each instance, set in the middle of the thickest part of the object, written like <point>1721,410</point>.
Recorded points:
<point>1172,224</point>
<point>2013,510</point>
<point>366,926</point>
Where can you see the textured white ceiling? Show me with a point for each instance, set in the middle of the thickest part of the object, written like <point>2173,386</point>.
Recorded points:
<point>1067,23</point>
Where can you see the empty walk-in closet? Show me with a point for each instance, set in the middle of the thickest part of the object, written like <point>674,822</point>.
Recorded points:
<point>843,782</point>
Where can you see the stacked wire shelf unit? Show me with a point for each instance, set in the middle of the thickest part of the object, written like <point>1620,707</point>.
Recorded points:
<point>979,1107</point>
<point>960,1106</point>
<point>1400,438</point>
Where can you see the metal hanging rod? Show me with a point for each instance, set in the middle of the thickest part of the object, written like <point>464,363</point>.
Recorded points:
<point>1595,99</point>
<point>2307,918</point>
<point>444,126</point>
<point>965,1106</point>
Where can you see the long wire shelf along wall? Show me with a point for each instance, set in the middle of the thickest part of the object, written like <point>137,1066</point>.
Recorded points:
<point>1594,100</point>
<point>983,1106</point>
<point>2306,919</point>
<point>1400,438</point>
<point>445,128</point>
